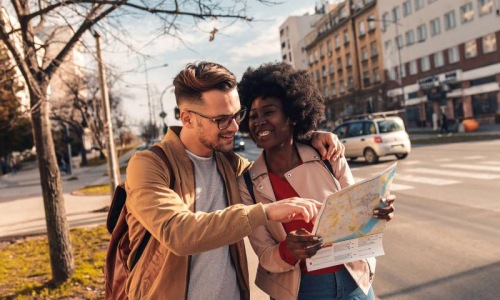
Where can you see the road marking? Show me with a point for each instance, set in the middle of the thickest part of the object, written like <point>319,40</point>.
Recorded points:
<point>394,186</point>
<point>443,159</point>
<point>426,180</point>
<point>496,163</point>
<point>414,162</point>
<point>474,157</point>
<point>455,173</point>
<point>473,167</point>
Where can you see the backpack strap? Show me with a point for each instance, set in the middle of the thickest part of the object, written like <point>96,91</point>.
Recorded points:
<point>248,182</point>
<point>329,166</point>
<point>144,242</point>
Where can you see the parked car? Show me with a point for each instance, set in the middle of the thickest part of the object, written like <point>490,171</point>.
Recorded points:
<point>239,143</point>
<point>373,138</point>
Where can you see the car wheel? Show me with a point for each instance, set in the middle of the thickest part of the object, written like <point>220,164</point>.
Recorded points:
<point>370,156</point>
<point>401,156</point>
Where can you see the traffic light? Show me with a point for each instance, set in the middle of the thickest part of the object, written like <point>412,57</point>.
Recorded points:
<point>177,113</point>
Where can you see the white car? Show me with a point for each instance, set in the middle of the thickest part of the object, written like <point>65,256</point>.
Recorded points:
<point>373,138</point>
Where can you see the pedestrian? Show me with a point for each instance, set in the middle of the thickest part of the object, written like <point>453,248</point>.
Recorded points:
<point>284,106</point>
<point>444,123</point>
<point>3,166</point>
<point>197,250</point>
<point>13,164</point>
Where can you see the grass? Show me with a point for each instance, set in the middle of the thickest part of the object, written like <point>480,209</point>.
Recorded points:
<point>25,267</point>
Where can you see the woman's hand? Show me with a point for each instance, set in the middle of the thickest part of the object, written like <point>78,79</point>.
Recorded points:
<point>328,145</point>
<point>302,244</point>
<point>386,209</point>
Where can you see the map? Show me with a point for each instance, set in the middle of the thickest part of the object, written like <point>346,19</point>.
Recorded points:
<point>346,222</point>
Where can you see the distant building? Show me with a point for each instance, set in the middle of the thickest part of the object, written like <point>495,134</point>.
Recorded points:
<point>292,34</point>
<point>344,59</point>
<point>444,56</point>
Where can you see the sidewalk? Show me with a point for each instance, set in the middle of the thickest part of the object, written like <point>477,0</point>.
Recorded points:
<point>419,134</point>
<point>22,203</point>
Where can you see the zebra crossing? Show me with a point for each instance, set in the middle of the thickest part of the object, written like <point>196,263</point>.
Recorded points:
<point>443,172</point>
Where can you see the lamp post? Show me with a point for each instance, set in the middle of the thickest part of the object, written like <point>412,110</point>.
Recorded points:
<point>150,109</point>
<point>400,74</point>
<point>163,114</point>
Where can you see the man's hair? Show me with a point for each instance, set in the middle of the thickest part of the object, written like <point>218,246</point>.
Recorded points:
<point>301,99</point>
<point>199,77</point>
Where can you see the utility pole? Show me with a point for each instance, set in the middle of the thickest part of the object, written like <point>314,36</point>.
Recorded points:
<point>112,159</point>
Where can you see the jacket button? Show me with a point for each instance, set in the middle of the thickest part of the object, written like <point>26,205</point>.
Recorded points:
<point>289,175</point>
<point>260,187</point>
<point>315,156</point>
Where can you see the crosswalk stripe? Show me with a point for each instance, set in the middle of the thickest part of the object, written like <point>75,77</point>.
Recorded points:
<point>394,186</point>
<point>426,180</point>
<point>473,157</point>
<point>443,160</point>
<point>473,167</point>
<point>455,173</point>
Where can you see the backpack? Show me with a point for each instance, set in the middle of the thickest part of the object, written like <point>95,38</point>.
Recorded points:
<point>249,184</point>
<point>116,271</point>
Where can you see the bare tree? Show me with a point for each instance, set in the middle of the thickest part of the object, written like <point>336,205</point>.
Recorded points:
<point>22,23</point>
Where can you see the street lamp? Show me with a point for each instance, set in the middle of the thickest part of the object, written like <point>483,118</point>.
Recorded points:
<point>400,74</point>
<point>150,109</point>
<point>163,114</point>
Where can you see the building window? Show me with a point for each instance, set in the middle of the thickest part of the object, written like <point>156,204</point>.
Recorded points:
<point>366,78</point>
<point>323,71</point>
<point>421,33</point>
<point>449,20</point>
<point>329,47</point>
<point>406,8</point>
<point>337,42</point>
<point>467,12</point>
<point>485,7</point>
<point>396,15</point>
<point>413,67</point>
<point>311,59</point>
<point>425,63</point>
<point>331,69</point>
<point>470,49</point>
<point>346,36</point>
<point>385,21</point>
<point>348,60</point>
<point>419,4</point>
<point>391,72</point>
<point>435,27</point>
<point>399,41</point>
<point>316,56</point>
<point>342,86</point>
<point>321,51</point>
<point>401,71</point>
<point>339,64</point>
<point>453,55</point>
<point>371,23</point>
<point>438,59</point>
<point>410,37</point>
<point>326,92</point>
<point>489,43</point>
<point>373,49</point>
<point>388,46</point>
<point>364,53</point>
<point>333,89</point>
<point>290,56</point>
<point>361,28</point>
<point>376,75</point>
<point>350,83</point>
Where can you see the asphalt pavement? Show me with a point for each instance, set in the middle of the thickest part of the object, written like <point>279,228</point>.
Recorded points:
<point>21,200</point>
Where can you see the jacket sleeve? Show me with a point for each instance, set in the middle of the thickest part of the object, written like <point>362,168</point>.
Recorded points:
<point>163,213</point>
<point>343,173</point>
<point>264,245</point>
<point>238,162</point>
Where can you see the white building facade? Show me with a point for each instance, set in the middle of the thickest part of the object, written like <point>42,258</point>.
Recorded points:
<point>442,56</point>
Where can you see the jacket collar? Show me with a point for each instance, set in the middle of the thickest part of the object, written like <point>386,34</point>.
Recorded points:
<point>306,153</point>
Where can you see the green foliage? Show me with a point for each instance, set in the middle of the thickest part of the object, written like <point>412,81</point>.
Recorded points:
<point>25,268</point>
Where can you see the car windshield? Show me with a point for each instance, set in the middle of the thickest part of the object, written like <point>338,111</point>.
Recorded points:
<point>385,126</point>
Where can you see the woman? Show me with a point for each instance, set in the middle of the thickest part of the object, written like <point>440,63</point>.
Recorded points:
<point>285,106</point>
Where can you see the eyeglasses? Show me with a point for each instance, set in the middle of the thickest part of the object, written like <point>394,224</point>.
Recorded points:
<point>224,121</point>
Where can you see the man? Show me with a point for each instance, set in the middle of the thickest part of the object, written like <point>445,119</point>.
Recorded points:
<point>194,222</point>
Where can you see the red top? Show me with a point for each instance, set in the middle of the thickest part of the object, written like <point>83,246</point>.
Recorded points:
<point>283,190</point>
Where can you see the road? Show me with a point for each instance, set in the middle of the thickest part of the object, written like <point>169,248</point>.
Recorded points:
<point>444,242</point>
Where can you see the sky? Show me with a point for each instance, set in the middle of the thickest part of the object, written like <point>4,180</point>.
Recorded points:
<point>237,47</point>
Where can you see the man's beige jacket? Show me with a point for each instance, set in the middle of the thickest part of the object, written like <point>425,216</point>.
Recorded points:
<point>162,271</point>
<point>310,180</point>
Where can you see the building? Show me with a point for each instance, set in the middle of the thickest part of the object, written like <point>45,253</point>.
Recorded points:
<point>442,57</point>
<point>292,34</point>
<point>344,57</point>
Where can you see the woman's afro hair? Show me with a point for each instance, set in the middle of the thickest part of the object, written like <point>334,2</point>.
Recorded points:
<point>302,102</point>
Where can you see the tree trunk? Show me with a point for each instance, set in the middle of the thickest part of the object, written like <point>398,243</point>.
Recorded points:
<point>61,253</point>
